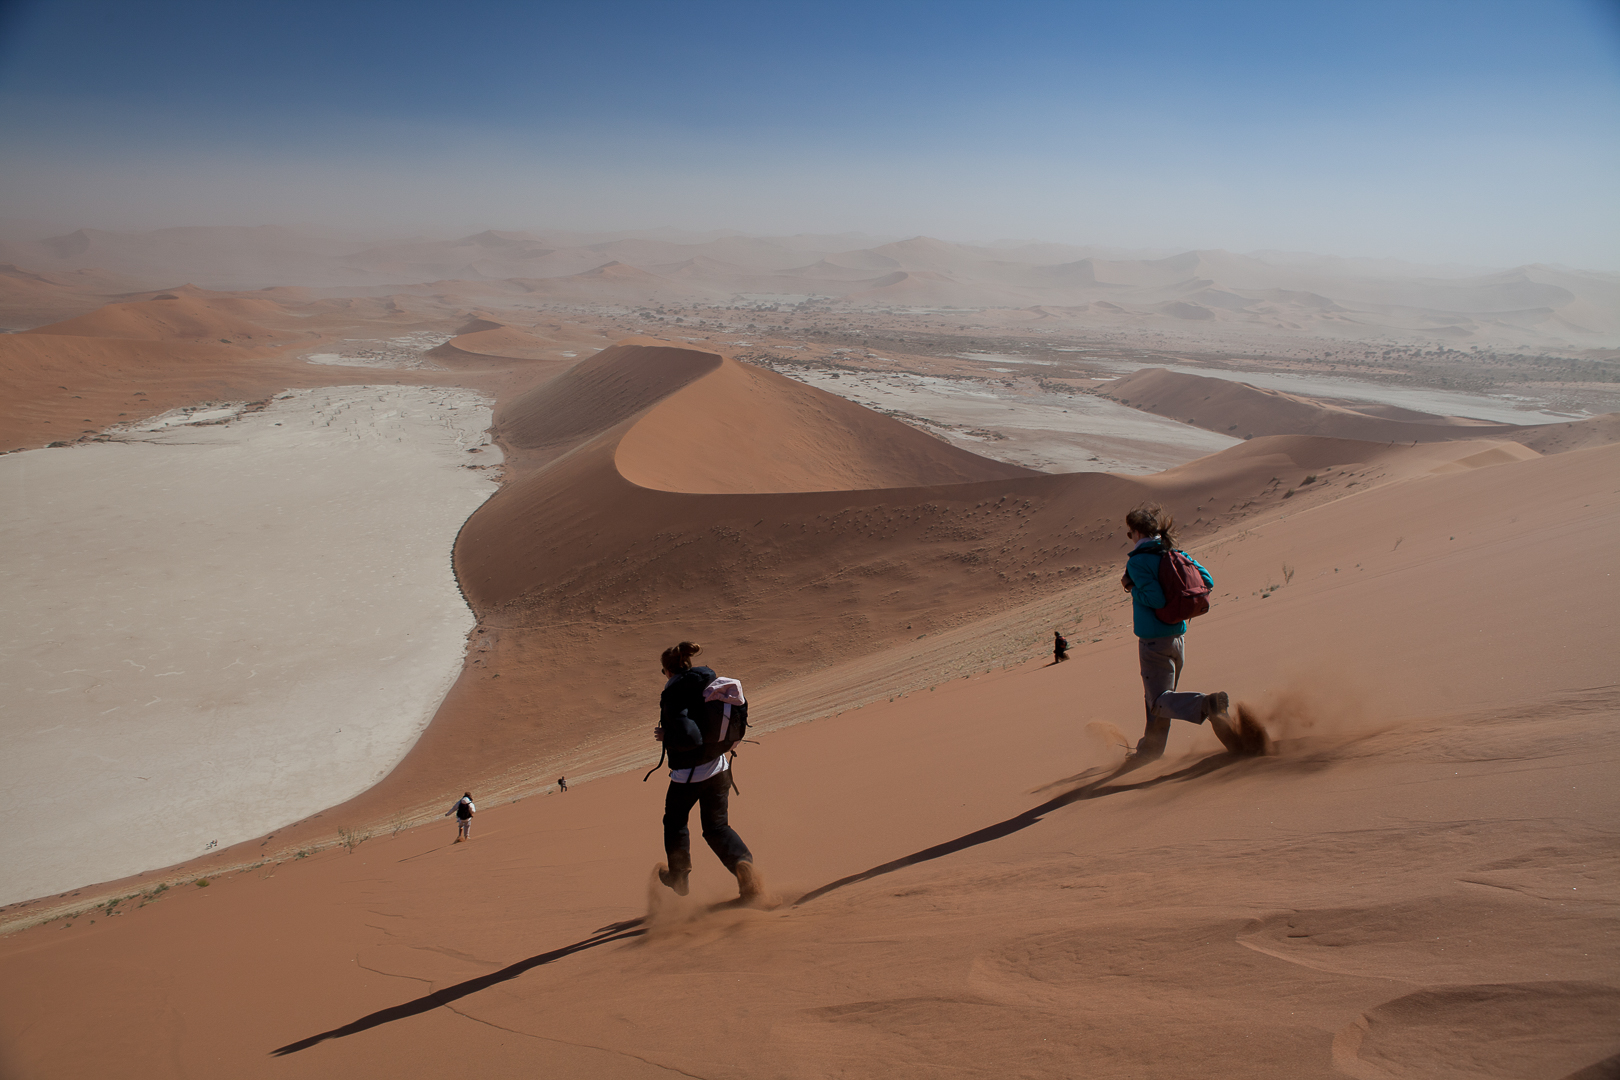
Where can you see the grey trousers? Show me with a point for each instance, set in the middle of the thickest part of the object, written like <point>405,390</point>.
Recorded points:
<point>1162,660</point>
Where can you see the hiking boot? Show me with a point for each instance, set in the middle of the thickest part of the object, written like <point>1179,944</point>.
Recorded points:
<point>1217,711</point>
<point>750,886</point>
<point>1150,747</point>
<point>677,879</point>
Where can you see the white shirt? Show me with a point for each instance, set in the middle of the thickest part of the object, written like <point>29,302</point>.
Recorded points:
<point>699,773</point>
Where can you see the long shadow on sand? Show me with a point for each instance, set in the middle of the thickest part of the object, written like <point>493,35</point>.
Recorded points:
<point>1096,789</point>
<point>618,931</point>
<point>631,928</point>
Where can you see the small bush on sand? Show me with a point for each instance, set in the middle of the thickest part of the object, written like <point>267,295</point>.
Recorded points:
<point>352,838</point>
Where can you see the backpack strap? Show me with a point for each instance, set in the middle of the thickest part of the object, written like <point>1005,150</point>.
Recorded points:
<point>655,768</point>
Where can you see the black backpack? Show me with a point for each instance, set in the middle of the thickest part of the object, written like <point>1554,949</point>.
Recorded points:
<point>723,726</point>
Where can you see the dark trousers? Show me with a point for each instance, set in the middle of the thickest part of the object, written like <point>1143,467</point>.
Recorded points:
<point>1162,660</point>
<point>712,797</point>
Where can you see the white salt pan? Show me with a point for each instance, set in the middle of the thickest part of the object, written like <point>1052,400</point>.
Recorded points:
<point>1055,432</point>
<point>210,632</point>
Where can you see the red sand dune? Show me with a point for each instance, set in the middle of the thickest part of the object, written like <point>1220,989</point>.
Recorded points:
<point>58,389</point>
<point>596,394</point>
<point>184,314</point>
<point>486,340</point>
<point>134,359</point>
<point>29,298</point>
<point>1420,883</point>
<point>1235,408</point>
<point>745,429</point>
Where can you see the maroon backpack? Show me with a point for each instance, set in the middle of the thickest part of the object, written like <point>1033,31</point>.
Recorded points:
<point>1185,594</point>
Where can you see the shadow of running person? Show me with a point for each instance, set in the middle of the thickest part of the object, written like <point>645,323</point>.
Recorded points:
<point>633,928</point>
<point>619,931</point>
<point>1096,789</point>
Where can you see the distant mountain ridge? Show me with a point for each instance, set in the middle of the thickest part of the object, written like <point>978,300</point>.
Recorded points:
<point>1221,291</point>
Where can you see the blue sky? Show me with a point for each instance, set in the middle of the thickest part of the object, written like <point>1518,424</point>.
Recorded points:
<point>1478,132</point>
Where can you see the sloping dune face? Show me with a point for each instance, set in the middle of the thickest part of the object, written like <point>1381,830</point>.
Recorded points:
<point>169,316</point>
<point>484,339</point>
<point>135,359</point>
<point>1240,409</point>
<point>599,392</point>
<point>740,429</point>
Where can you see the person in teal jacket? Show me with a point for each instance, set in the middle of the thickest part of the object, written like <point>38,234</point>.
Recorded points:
<point>1161,646</point>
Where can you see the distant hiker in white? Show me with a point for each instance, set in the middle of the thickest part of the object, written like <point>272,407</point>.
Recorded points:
<point>464,811</point>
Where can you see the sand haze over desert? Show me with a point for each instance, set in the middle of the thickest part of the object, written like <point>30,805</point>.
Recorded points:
<point>365,444</point>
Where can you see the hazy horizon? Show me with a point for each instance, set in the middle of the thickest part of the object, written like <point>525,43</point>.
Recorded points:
<point>1476,134</point>
<point>12,230</point>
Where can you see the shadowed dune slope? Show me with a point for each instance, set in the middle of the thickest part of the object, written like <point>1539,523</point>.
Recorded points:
<point>1235,408</point>
<point>135,359</point>
<point>58,388</point>
<point>1579,435</point>
<point>600,391</point>
<point>485,339</point>
<point>29,299</point>
<point>744,429</point>
<point>178,316</point>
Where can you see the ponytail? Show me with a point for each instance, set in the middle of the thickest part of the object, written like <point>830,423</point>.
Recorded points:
<point>679,658</point>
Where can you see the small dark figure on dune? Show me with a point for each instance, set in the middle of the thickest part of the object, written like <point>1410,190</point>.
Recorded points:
<point>697,776</point>
<point>1060,647</point>
<point>562,783</point>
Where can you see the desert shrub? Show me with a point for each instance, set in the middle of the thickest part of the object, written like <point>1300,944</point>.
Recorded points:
<point>352,838</point>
